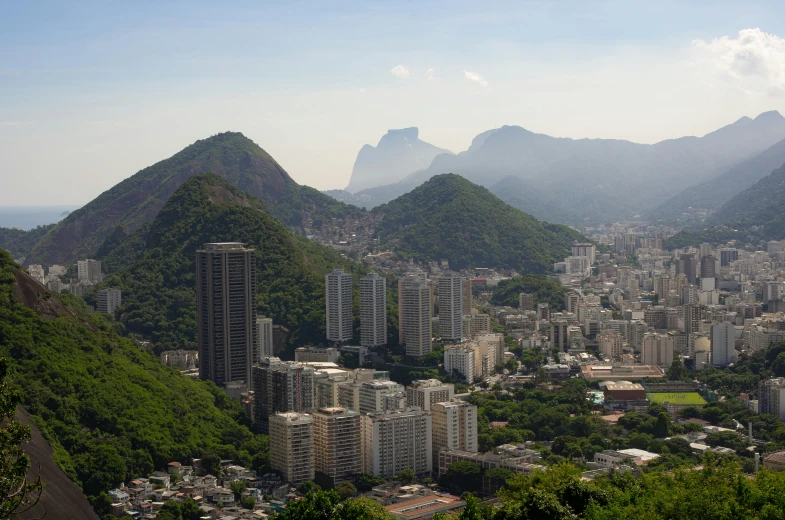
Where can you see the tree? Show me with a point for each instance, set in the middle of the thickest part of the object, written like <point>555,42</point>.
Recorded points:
<point>367,482</point>
<point>211,464</point>
<point>498,477</point>
<point>237,487</point>
<point>327,505</point>
<point>16,492</point>
<point>346,490</point>
<point>309,486</point>
<point>463,476</point>
<point>248,502</point>
<point>405,476</point>
<point>662,426</point>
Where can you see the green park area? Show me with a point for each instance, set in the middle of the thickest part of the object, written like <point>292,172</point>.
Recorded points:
<point>688,398</point>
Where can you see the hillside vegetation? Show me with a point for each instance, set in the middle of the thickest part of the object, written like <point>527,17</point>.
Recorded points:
<point>110,410</point>
<point>451,218</point>
<point>543,289</point>
<point>139,198</point>
<point>158,283</point>
<point>19,242</point>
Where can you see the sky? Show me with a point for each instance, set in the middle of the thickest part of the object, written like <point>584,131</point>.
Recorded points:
<point>92,92</point>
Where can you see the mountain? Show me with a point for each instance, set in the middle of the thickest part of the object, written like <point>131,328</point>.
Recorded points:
<point>158,276</point>
<point>757,209</point>
<point>139,198</point>
<point>19,242</point>
<point>602,179</point>
<point>399,153</point>
<point>450,218</point>
<point>110,410</point>
<point>526,197</point>
<point>709,195</point>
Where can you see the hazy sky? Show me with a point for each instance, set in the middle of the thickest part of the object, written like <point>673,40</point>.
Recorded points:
<point>91,92</point>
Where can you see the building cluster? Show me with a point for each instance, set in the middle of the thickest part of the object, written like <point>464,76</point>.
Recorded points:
<point>88,274</point>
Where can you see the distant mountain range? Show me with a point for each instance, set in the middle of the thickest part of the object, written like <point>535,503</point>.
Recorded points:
<point>139,198</point>
<point>449,217</point>
<point>399,153</point>
<point>589,180</point>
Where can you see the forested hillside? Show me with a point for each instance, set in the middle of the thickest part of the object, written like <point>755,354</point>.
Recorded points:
<point>450,218</point>
<point>19,242</point>
<point>110,410</point>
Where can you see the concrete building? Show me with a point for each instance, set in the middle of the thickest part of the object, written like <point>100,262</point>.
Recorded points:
<point>454,425</point>
<point>468,299</point>
<point>185,359</point>
<point>662,286</point>
<point>415,300</point>
<point>36,271</point>
<point>611,344</point>
<point>477,324</point>
<point>494,341</point>
<point>771,397</point>
<point>281,387</point>
<point>460,359</point>
<point>89,270</point>
<point>450,307</point>
<point>396,440</point>
<point>316,355</point>
<point>377,396</point>
<point>292,449</point>
<point>488,461</point>
<point>424,393</point>
<point>526,302</point>
<point>373,311</point>
<point>109,300</point>
<point>411,278</point>
<point>587,250</point>
<point>264,339</point>
<point>337,442</point>
<point>338,302</point>
<point>657,350</point>
<point>226,312</point>
<point>484,358</point>
<point>723,344</point>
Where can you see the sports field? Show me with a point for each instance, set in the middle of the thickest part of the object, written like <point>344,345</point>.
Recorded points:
<point>676,398</point>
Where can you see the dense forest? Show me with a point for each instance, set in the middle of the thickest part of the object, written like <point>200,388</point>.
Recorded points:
<point>138,198</point>
<point>110,410</point>
<point>451,218</point>
<point>19,242</point>
<point>158,282</point>
<point>544,290</point>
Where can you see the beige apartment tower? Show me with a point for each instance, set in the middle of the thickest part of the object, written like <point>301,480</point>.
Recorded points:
<point>396,440</point>
<point>450,307</point>
<point>454,427</point>
<point>337,441</point>
<point>338,304</point>
<point>373,311</point>
<point>292,446</point>
<point>424,393</point>
<point>416,318</point>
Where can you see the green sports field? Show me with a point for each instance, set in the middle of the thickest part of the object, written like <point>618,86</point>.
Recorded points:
<point>676,398</point>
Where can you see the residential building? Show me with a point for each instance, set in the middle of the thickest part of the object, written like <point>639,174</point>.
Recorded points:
<point>281,387</point>
<point>771,397</point>
<point>460,359</point>
<point>374,396</point>
<point>411,278</point>
<point>316,355</point>
<point>526,302</point>
<point>109,300</point>
<point>338,301</point>
<point>337,442</point>
<point>723,344</point>
<point>657,350</point>
<point>185,359</point>
<point>477,324</point>
<point>450,307</point>
<point>611,344</point>
<point>495,341</point>
<point>89,270</point>
<point>292,450</point>
<point>454,425</point>
<point>226,312</point>
<point>373,311</point>
<point>587,250</point>
<point>484,357</point>
<point>264,339</point>
<point>467,297</point>
<point>396,440</point>
<point>488,461</point>
<point>415,299</point>
<point>424,393</point>
<point>36,272</point>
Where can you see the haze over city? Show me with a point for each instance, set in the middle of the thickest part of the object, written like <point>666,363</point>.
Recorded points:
<point>90,94</point>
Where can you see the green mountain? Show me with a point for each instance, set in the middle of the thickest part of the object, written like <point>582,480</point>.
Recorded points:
<point>158,280</point>
<point>139,198</point>
<point>110,410</point>
<point>450,218</point>
<point>758,209</point>
<point>19,242</point>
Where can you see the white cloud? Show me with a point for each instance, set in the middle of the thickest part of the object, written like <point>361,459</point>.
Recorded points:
<point>16,123</point>
<point>430,74</point>
<point>400,71</point>
<point>477,78</point>
<point>755,58</point>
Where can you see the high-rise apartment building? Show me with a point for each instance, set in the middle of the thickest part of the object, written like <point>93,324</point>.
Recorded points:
<point>687,266</point>
<point>526,301</point>
<point>424,393</point>
<point>585,249</point>
<point>771,397</point>
<point>454,427</point>
<point>728,255</point>
<point>376,396</point>
<point>292,450</point>
<point>373,311</point>
<point>475,324</point>
<point>281,386</point>
<point>657,349</point>
<point>662,286</point>
<point>410,279</point>
<point>611,344</point>
<point>337,441</point>
<point>396,440</point>
<point>723,344</point>
<point>338,301</point>
<point>264,339</point>
<point>89,270</point>
<point>467,296</point>
<point>226,312</point>
<point>460,359</point>
<point>109,300</point>
<point>450,307</point>
<point>415,299</point>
